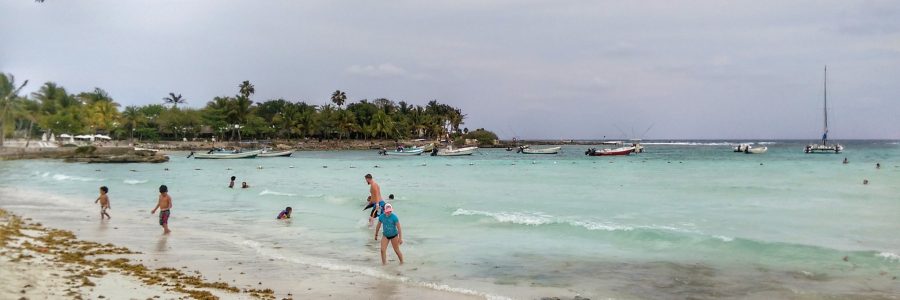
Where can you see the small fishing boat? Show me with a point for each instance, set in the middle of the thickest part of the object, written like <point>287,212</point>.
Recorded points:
<point>609,152</point>
<point>273,153</point>
<point>756,150</point>
<point>225,155</point>
<point>146,149</point>
<point>455,152</point>
<point>404,152</point>
<point>529,150</point>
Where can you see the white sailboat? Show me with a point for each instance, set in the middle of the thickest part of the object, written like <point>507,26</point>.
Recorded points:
<point>824,147</point>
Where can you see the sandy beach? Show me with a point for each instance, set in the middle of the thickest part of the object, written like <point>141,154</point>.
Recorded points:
<point>45,263</point>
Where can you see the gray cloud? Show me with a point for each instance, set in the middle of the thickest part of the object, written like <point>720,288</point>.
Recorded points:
<point>559,69</point>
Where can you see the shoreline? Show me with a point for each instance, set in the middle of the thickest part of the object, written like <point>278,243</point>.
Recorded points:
<point>40,262</point>
<point>46,263</point>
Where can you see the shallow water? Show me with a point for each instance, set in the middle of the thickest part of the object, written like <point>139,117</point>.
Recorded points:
<point>684,219</point>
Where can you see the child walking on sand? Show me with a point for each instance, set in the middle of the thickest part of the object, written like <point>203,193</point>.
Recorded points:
<point>392,233</point>
<point>164,205</point>
<point>104,202</point>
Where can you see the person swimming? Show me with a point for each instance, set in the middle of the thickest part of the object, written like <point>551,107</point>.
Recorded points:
<point>285,214</point>
<point>231,184</point>
<point>244,185</point>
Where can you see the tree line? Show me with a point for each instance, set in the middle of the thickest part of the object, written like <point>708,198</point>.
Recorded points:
<point>53,109</point>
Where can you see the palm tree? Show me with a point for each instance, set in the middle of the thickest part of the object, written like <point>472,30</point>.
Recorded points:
<point>338,98</point>
<point>174,100</point>
<point>382,124</point>
<point>247,89</point>
<point>8,95</point>
<point>29,110</point>
<point>131,115</point>
<point>97,95</point>
<point>239,111</point>
<point>53,98</point>
<point>347,123</point>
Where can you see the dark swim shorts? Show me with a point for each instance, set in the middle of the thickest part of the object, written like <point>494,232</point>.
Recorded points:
<point>164,217</point>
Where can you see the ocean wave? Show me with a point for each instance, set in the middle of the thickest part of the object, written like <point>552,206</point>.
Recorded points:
<point>134,181</point>
<point>268,192</point>
<point>889,256</point>
<point>691,143</point>
<point>507,217</point>
<point>63,177</point>
<point>724,238</point>
<point>536,218</point>
<point>366,271</point>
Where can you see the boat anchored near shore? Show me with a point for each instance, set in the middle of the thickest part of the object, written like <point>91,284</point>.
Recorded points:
<point>824,147</point>
<point>529,150</point>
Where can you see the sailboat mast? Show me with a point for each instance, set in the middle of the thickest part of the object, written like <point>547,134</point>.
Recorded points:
<point>825,93</point>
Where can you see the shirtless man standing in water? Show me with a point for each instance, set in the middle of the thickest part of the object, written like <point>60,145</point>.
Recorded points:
<point>375,198</point>
<point>164,204</point>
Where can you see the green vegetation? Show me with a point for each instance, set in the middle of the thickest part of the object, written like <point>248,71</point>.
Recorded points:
<point>53,109</point>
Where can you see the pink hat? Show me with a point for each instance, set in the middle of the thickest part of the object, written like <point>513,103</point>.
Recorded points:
<point>388,208</point>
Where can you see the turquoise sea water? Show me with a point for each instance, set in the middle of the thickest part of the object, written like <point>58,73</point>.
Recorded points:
<point>685,219</point>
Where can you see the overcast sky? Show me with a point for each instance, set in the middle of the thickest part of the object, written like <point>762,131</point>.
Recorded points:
<point>531,69</point>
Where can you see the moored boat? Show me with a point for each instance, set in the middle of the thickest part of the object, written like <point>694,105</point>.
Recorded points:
<point>756,150</point>
<point>824,147</point>
<point>271,153</point>
<point>529,150</point>
<point>609,152</point>
<point>404,152</point>
<point>455,152</point>
<point>222,155</point>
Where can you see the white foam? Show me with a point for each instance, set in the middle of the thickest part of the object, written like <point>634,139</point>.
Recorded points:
<point>134,181</point>
<point>889,256</point>
<point>691,143</point>
<point>538,218</point>
<point>724,238</point>
<point>367,271</point>
<point>268,192</point>
<point>509,217</point>
<point>63,177</point>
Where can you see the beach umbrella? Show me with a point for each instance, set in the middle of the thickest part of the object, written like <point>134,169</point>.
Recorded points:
<point>102,137</point>
<point>84,137</point>
<point>65,135</point>
<point>52,136</point>
<point>44,137</point>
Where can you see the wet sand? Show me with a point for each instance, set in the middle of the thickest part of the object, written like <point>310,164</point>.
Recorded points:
<point>45,263</point>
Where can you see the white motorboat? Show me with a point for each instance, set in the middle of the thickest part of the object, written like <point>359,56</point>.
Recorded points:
<point>756,150</point>
<point>222,155</point>
<point>145,149</point>
<point>272,153</point>
<point>405,152</point>
<point>529,150</point>
<point>456,152</point>
<point>824,147</point>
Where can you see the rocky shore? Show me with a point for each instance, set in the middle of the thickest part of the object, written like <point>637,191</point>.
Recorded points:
<point>86,154</point>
